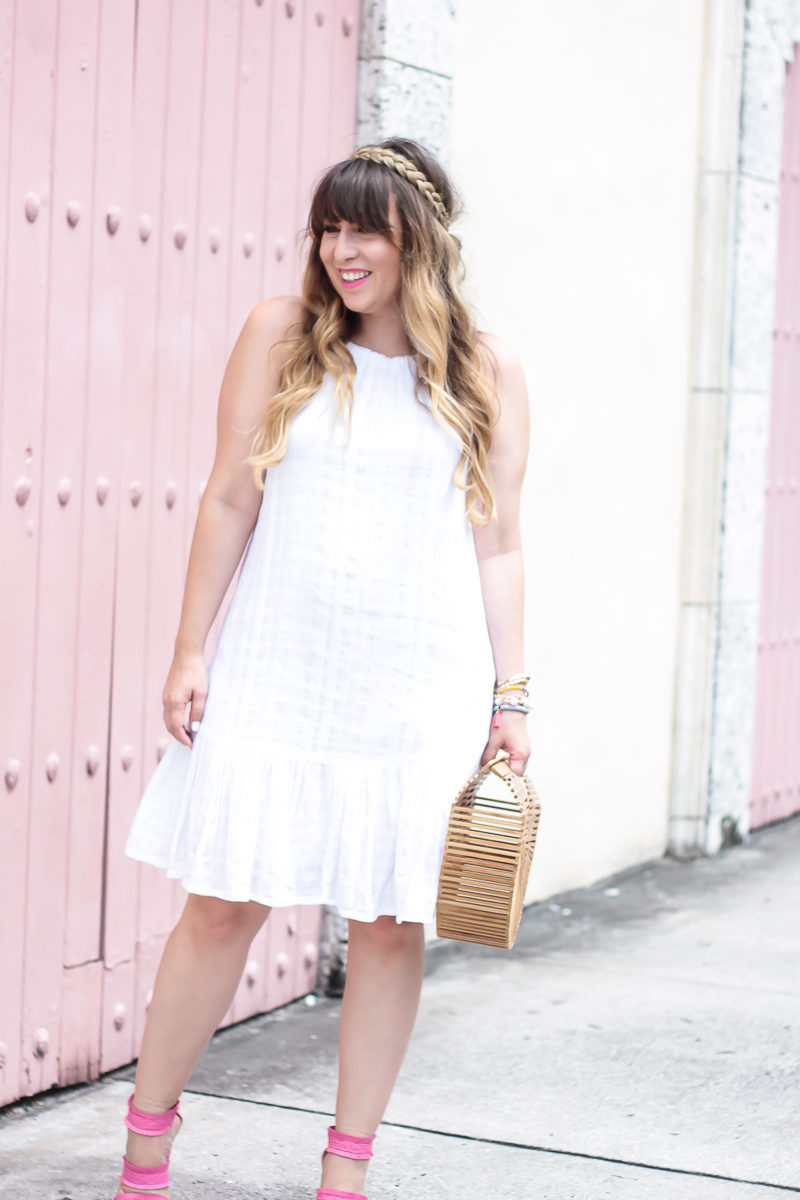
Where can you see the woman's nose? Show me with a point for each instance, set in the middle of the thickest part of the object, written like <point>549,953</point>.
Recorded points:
<point>345,246</point>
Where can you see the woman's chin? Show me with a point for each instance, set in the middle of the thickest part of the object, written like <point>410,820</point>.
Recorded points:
<point>354,307</point>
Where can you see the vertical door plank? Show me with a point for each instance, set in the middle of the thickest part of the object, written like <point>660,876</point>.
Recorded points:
<point>111,238</point>
<point>283,219</point>
<point>306,957</point>
<point>26,240</point>
<point>248,141</point>
<point>60,517</point>
<point>127,766</point>
<point>179,248</point>
<point>6,83</point>
<point>81,1009</point>
<point>283,926</point>
<point>344,58</point>
<point>250,162</point>
<point>118,1043</point>
<point>212,281</point>
<point>320,43</point>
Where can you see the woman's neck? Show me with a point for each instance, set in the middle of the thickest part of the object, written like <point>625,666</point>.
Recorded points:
<point>382,333</point>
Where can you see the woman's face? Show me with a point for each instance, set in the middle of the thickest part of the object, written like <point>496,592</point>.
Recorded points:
<point>363,267</point>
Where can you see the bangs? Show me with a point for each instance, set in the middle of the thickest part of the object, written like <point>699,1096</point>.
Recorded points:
<point>355,191</point>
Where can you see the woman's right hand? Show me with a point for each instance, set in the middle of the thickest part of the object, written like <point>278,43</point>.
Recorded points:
<point>187,683</point>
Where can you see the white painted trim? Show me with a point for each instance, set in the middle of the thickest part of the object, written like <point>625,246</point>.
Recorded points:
<point>705,426</point>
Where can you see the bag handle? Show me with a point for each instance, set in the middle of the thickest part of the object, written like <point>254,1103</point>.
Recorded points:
<point>499,765</point>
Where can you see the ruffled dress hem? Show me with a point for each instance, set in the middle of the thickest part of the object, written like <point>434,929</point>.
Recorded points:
<point>220,893</point>
<point>281,827</point>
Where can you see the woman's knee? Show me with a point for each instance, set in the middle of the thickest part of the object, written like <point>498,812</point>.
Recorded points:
<point>209,917</point>
<point>386,935</point>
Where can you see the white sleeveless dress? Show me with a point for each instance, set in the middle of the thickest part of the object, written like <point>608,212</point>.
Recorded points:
<point>350,690</point>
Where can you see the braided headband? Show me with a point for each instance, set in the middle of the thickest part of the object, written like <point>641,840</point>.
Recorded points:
<point>405,167</point>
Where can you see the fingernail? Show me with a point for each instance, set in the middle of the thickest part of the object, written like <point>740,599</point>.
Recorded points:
<point>195,726</point>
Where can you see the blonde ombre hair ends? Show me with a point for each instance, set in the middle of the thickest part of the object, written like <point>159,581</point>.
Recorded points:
<point>435,316</point>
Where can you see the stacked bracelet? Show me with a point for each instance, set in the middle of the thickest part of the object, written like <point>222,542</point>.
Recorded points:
<point>503,702</point>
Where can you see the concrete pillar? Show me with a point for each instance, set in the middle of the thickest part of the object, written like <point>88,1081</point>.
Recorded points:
<point>747,49</point>
<point>405,72</point>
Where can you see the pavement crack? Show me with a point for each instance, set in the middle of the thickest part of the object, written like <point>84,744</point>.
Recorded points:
<point>686,1172</point>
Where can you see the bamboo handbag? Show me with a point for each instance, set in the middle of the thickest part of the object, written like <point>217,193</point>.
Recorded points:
<point>487,857</point>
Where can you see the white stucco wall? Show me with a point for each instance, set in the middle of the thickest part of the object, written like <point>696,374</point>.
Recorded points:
<point>574,140</point>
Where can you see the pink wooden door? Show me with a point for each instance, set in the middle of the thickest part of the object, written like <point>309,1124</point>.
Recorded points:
<point>157,175</point>
<point>775,790</point>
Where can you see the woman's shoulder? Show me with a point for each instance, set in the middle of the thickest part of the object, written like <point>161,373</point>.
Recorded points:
<point>275,320</point>
<point>502,367</point>
<point>498,358</point>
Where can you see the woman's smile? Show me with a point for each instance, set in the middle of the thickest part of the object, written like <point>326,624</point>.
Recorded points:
<point>352,278</point>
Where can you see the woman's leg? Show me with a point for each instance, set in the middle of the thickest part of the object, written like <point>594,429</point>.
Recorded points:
<point>385,963</point>
<point>200,970</point>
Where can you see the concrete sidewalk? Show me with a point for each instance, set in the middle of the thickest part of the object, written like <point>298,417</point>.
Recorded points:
<point>640,1041</point>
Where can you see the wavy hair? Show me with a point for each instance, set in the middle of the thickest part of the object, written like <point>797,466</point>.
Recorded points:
<point>435,316</point>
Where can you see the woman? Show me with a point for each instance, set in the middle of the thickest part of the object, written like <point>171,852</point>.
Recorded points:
<point>351,692</point>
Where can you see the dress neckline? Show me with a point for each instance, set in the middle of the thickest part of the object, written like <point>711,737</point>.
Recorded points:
<point>377,353</point>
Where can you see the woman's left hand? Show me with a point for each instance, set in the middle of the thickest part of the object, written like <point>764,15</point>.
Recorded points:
<point>512,736</point>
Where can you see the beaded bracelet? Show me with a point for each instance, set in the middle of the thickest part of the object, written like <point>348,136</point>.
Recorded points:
<point>512,682</point>
<point>498,708</point>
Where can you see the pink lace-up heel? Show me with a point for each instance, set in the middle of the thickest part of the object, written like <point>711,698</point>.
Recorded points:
<point>348,1147</point>
<point>149,1179</point>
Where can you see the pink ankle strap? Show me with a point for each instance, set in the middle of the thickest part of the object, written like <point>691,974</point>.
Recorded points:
<point>149,1178</point>
<point>149,1124</point>
<point>330,1194</point>
<point>137,1196</point>
<point>347,1146</point>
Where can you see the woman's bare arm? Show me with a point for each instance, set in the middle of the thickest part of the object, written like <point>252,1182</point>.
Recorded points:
<point>229,506</point>
<point>498,546</point>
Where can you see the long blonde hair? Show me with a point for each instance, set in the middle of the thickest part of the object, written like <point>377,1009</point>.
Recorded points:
<point>435,316</point>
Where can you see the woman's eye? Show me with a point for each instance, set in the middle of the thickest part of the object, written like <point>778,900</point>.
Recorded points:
<point>330,228</point>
